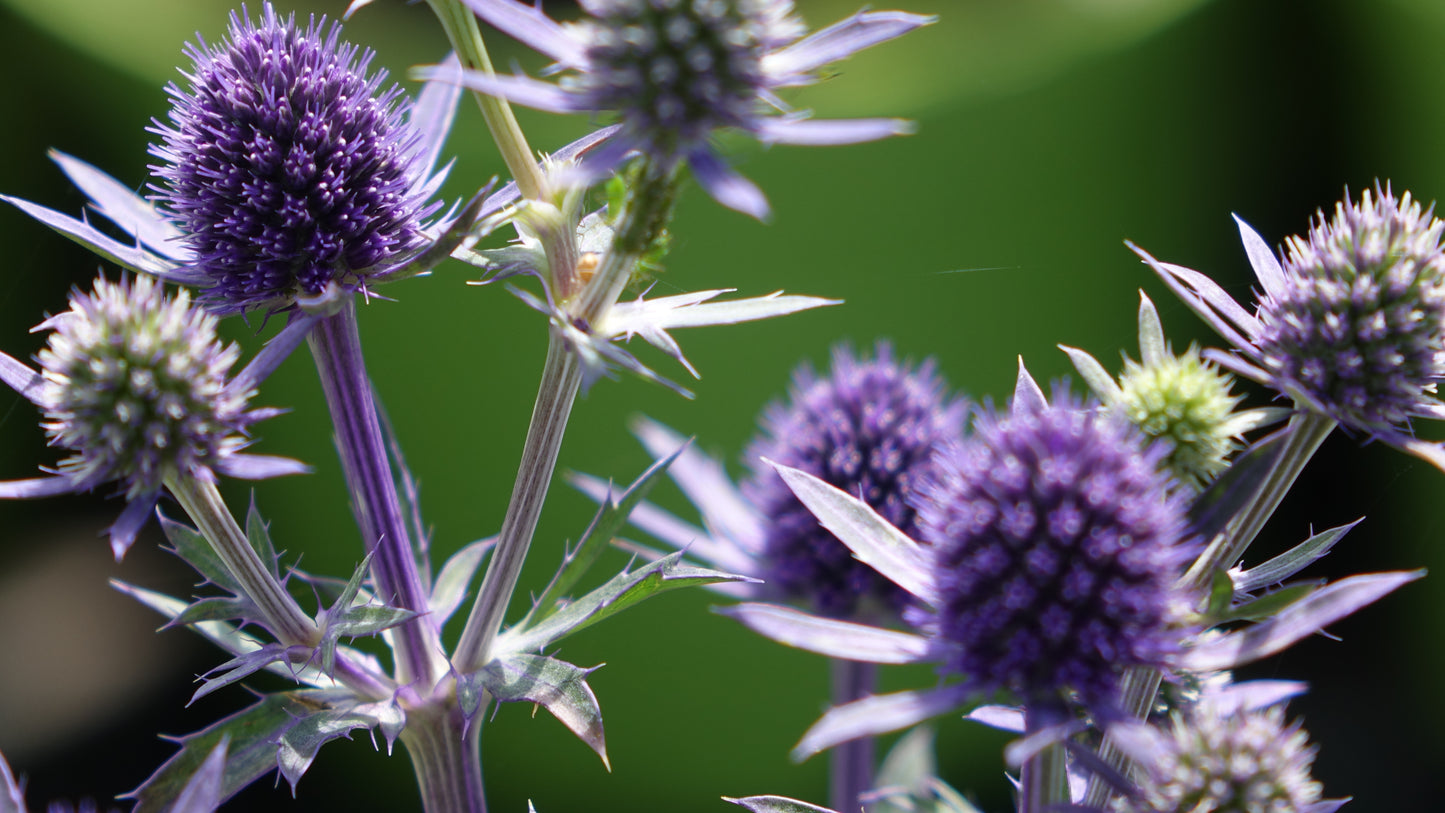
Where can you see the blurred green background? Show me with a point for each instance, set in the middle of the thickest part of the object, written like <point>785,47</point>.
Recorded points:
<point>1049,131</point>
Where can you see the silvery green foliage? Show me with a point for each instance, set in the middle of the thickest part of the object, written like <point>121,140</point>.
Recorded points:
<point>1056,559</point>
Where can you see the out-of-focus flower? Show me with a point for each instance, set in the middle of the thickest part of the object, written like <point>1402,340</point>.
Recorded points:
<point>678,71</point>
<point>133,383</point>
<point>1351,325</point>
<point>1227,753</point>
<point>870,427</point>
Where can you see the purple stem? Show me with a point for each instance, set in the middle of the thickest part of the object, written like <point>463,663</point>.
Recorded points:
<point>850,764</point>
<point>446,755</point>
<point>336,345</point>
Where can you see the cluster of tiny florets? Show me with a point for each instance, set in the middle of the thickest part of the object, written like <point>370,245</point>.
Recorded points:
<point>1058,540</point>
<point>1360,325</point>
<point>1186,402</point>
<point>870,428</point>
<point>675,70</point>
<point>286,165</point>
<point>136,382</point>
<point>1246,762</point>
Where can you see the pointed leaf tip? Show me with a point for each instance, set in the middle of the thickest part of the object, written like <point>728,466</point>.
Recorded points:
<point>557,686</point>
<point>871,538</point>
<point>1028,397</point>
<point>775,804</point>
<point>1261,258</point>
<point>202,794</point>
<point>1299,620</point>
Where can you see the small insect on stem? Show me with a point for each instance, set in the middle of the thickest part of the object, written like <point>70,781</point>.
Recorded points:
<point>587,265</point>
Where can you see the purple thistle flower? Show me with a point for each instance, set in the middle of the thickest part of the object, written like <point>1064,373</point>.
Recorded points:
<point>1351,325</point>
<point>871,428</point>
<point>288,167</point>
<point>1057,541</point>
<point>1359,325</point>
<point>133,383</point>
<point>678,71</point>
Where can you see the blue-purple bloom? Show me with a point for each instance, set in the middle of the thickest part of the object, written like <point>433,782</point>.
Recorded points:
<point>1351,325</point>
<point>288,167</point>
<point>678,71</point>
<point>134,384</point>
<point>871,427</point>
<point>1057,542</point>
<point>1048,561</point>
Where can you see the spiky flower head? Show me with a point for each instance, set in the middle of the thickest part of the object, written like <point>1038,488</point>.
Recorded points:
<point>1058,541</point>
<point>1359,324</point>
<point>1185,401</point>
<point>676,72</point>
<point>871,427</point>
<point>1246,761</point>
<point>287,165</point>
<point>1182,401</point>
<point>136,387</point>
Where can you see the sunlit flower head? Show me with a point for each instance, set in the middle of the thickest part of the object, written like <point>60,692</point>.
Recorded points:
<point>678,71</point>
<point>1351,325</point>
<point>288,166</point>
<point>1182,400</point>
<point>137,385</point>
<point>133,383</point>
<point>870,427</point>
<point>1225,755</point>
<point>1057,543</point>
<point>1359,325</point>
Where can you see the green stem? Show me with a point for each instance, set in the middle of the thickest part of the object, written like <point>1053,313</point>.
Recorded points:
<point>466,38</point>
<point>1306,431</point>
<point>646,214</point>
<point>281,614</point>
<point>561,377</point>
<point>1140,686</point>
<point>446,756</point>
